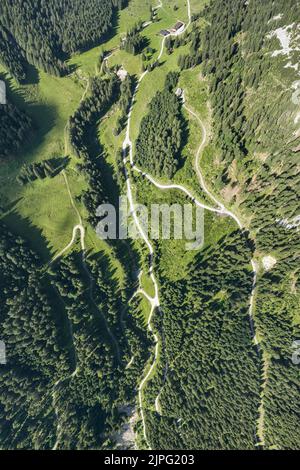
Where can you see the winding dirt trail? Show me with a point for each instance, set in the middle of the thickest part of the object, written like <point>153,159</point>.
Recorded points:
<point>220,209</point>
<point>228,213</point>
<point>154,301</point>
<point>79,228</point>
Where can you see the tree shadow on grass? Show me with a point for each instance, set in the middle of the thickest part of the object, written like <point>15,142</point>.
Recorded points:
<point>185,133</point>
<point>32,75</point>
<point>10,206</point>
<point>106,37</point>
<point>43,116</point>
<point>33,235</point>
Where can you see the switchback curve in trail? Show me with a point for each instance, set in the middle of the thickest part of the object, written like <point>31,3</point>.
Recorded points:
<point>155,303</point>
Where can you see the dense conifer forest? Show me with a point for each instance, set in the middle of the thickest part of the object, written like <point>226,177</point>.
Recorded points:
<point>15,126</point>
<point>44,33</point>
<point>37,344</point>
<point>68,342</point>
<point>211,394</point>
<point>42,170</point>
<point>258,149</point>
<point>80,344</point>
<point>104,93</point>
<point>246,129</point>
<point>161,134</point>
<point>133,42</point>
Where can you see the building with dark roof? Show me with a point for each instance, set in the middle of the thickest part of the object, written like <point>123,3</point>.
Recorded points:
<point>178,25</point>
<point>164,32</point>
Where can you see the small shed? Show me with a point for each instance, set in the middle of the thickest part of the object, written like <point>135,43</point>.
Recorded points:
<point>122,74</point>
<point>179,92</point>
<point>2,92</point>
<point>178,25</point>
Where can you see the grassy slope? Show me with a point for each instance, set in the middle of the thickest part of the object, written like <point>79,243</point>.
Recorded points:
<point>43,207</point>
<point>42,211</point>
<point>173,252</point>
<point>44,204</point>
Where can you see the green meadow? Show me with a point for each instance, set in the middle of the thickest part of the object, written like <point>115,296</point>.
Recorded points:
<point>41,211</point>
